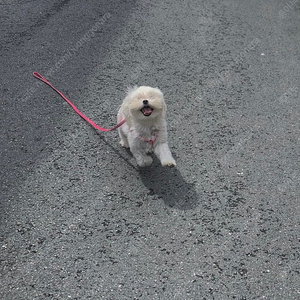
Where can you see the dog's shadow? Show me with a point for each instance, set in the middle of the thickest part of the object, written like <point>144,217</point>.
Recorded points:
<point>165,183</point>
<point>168,184</point>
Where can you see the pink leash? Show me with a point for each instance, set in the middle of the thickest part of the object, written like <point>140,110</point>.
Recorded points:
<point>40,77</point>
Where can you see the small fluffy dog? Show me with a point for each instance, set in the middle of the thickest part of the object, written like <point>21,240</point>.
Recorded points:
<point>145,129</point>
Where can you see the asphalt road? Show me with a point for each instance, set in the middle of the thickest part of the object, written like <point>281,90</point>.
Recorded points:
<point>80,220</point>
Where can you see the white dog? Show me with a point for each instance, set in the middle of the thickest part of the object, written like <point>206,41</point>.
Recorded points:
<point>145,129</point>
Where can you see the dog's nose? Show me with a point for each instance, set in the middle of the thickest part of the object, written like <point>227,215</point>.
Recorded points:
<point>145,102</point>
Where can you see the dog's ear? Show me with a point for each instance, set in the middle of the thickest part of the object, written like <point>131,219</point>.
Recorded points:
<point>164,107</point>
<point>159,91</point>
<point>130,89</point>
<point>164,103</point>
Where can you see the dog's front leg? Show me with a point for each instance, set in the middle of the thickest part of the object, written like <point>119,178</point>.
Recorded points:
<point>164,154</point>
<point>142,159</point>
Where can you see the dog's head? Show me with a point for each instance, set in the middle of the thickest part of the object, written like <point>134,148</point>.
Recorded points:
<point>145,103</point>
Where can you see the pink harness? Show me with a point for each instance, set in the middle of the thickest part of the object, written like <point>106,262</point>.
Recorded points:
<point>151,141</point>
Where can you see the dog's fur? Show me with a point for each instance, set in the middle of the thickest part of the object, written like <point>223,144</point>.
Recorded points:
<point>145,129</point>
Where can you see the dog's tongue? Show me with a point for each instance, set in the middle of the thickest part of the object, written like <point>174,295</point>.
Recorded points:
<point>147,110</point>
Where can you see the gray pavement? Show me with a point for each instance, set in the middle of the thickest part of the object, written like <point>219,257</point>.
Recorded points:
<point>80,220</point>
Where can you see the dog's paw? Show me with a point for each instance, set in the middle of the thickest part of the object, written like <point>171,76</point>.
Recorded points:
<point>150,151</point>
<point>145,161</point>
<point>168,163</point>
<point>124,144</point>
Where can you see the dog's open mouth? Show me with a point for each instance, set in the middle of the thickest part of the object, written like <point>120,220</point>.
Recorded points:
<point>147,110</point>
